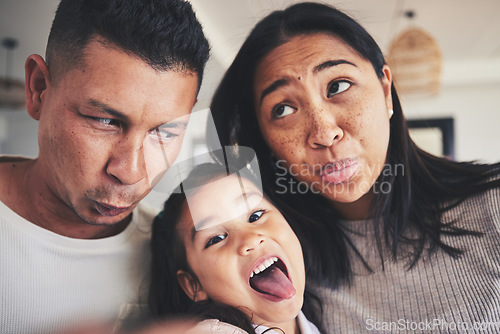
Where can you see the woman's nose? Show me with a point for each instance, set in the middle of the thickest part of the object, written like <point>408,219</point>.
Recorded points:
<point>323,130</point>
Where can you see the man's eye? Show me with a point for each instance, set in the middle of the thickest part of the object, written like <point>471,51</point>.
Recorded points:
<point>255,216</point>
<point>105,121</point>
<point>215,240</point>
<point>337,87</point>
<point>163,135</point>
<point>282,111</point>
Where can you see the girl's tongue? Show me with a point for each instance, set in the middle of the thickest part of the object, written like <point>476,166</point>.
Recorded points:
<point>273,281</point>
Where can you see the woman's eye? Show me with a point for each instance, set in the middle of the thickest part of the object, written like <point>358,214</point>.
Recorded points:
<point>255,216</point>
<point>215,240</point>
<point>282,111</point>
<point>338,87</point>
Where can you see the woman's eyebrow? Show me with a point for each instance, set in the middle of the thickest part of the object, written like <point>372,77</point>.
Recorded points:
<point>272,87</point>
<point>331,63</point>
<point>284,81</point>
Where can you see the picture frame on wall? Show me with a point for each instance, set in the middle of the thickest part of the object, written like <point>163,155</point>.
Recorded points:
<point>434,135</point>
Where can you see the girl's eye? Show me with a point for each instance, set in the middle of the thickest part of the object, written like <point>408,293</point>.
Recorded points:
<point>337,87</point>
<point>255,216</point>
<point>282,111</point>
<point>215,240</point>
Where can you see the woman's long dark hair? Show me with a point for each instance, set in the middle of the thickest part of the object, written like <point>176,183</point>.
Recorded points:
<point>166,298</point>
<point>417,196</point>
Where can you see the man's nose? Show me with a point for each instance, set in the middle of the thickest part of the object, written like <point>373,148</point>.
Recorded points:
<point>127,163</point>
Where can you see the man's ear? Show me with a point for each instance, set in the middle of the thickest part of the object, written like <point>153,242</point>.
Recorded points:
<point>37,78</point>
<point>191,286</point>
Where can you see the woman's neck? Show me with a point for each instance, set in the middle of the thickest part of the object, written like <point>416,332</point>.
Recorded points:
<point>357,210</point>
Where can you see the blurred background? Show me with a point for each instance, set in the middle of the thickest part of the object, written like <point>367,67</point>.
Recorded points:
<point>451,48</point>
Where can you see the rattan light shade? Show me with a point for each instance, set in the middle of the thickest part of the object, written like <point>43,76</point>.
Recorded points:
<point>12,93</point>
<point>415,60</point>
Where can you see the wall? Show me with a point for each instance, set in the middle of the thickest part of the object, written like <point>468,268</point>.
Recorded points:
<point>18,133</point>
<point>476,114</point>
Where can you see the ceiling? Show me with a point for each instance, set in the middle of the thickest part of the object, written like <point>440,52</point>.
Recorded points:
<point>468,32</point>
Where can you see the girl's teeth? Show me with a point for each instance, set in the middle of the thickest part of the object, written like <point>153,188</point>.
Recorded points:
<point>264,266</point>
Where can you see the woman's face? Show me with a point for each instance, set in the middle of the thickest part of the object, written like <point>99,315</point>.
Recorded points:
<point>325,114</point>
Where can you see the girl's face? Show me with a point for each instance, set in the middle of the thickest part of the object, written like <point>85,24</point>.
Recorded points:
<point>324,112</point>
<point>243,252</point>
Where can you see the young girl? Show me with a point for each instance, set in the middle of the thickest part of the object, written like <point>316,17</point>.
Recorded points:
<point>221,250</point>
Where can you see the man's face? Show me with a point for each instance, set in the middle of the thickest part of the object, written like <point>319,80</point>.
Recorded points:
<point>108,129</point>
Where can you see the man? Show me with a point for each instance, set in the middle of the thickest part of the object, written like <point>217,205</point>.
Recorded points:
<point>112,101</point>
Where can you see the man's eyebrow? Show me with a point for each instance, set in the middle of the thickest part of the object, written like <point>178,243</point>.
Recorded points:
<point>272,87</point>
<point>331,63</point>
<point>107,109</point>
<point>174,124</point>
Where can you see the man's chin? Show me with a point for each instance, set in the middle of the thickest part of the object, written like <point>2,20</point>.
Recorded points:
<point>98,219</point>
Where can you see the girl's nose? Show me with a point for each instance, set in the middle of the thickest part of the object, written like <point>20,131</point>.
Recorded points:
<point>250,242</point>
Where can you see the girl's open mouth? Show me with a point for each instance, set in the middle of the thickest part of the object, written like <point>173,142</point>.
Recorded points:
<point>271,279</point>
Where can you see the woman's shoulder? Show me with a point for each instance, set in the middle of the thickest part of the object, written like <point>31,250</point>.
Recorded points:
<point>481,210</point>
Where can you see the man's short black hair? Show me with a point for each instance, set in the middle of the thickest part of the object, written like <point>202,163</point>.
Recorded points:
<point>163,33</point>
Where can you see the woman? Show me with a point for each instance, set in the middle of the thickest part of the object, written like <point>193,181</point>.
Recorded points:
<point>394,238</point>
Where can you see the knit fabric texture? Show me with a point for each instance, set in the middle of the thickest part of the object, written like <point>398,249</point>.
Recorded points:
<point>50,283</point>
<point>440,294</point>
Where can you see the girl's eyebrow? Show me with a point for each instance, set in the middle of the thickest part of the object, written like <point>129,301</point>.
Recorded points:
<point>199,226</point>
<point>245,196</point>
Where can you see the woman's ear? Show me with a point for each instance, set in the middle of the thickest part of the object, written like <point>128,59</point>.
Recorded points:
<point>191,286</point>
<point>386,85</point>
<point>37,78</point>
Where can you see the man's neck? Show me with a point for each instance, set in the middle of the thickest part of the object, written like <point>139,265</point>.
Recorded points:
<point>24,191</point>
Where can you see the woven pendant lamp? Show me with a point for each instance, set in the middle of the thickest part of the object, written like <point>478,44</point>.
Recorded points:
<point>416,63</point>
